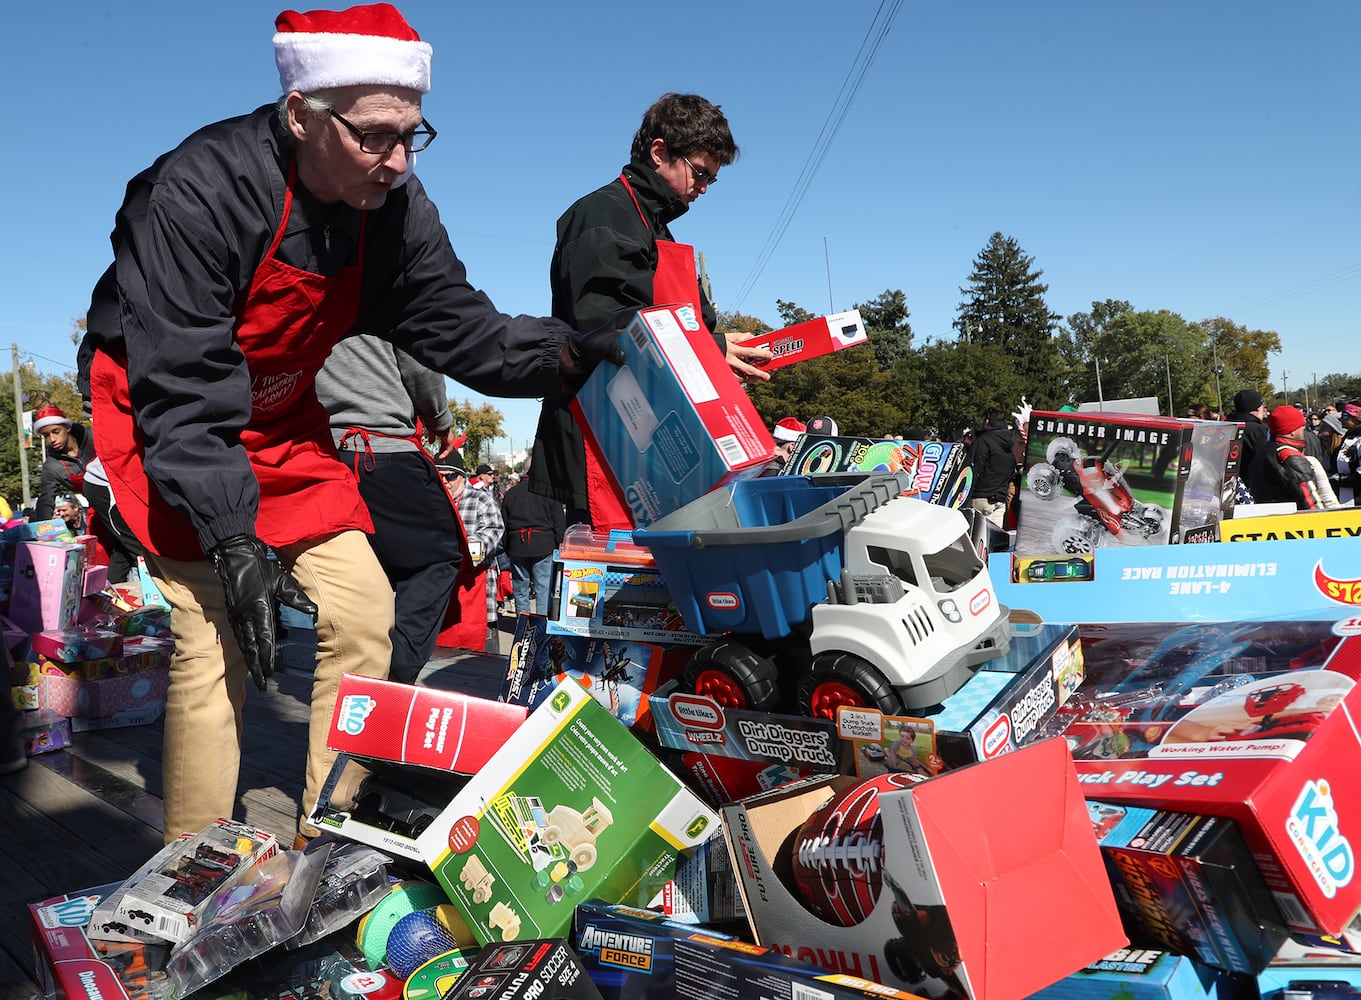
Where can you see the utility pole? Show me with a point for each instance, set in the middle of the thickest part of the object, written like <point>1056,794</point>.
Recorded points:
<point>1219,396</point>
<point>1100,400</point>
<point>1285,385</point>
<point>828,258</point>
<point>19,424</point>
<point>1167,362</point>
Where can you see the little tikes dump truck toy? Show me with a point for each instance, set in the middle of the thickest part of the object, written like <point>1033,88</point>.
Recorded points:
<point>856,596</point>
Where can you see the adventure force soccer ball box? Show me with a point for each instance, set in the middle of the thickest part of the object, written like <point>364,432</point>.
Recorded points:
<point>571,807</point>
<point>969,858</point>
<point>1254,721</point>
<point>673,422</point>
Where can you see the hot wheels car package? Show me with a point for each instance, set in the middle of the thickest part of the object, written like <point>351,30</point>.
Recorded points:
<point>354,879</point>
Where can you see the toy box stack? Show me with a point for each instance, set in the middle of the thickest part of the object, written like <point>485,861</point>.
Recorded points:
<point>1105,479</point>
<point>940,472</point>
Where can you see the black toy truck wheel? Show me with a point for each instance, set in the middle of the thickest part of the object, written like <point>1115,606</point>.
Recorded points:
<point>838,679</point>
<point>732,675</point>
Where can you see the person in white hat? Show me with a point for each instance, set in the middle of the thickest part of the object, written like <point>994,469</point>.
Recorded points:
<point>240,258</point>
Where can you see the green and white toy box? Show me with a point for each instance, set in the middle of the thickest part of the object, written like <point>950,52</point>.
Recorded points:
<point>572,807</point>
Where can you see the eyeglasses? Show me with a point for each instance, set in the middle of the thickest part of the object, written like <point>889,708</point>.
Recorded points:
<point>382,143</point>
<point>702,177</point>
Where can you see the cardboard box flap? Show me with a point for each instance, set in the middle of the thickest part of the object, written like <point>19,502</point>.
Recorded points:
<point>1031,841</point>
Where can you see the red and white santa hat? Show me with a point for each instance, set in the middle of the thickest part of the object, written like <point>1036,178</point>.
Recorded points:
<point>368,45</point>
<point>48,416</point>
<point>788,429</point>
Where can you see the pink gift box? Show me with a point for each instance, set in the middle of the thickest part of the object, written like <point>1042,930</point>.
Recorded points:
<point>77,644</point>
<point>48,578</point>
<point>75,698</point>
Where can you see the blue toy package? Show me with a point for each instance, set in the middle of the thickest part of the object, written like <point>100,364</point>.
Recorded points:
<point>1139,974</point>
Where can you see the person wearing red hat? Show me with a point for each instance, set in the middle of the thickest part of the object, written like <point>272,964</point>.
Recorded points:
<point>1282,472</point>
<point>69,449</point>
<point>786,434</point>
<point>240,259</point>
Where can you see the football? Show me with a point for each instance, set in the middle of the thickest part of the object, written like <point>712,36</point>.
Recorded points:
<point>838,853</point>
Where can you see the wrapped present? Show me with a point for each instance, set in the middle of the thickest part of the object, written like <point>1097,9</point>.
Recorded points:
<point>76,644</point>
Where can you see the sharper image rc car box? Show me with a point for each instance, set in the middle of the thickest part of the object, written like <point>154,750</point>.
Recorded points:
<point>673,421</point>
<point>1253,721</point>
<point>571,806</point>
<point>957,908</point>
<point>1102,480</point>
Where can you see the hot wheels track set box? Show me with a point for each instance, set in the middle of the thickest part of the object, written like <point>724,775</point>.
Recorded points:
<point>570,807</point>
<point>636,954</point>
<point>956,912</point>
<point>672,422</point>
<point>1139,974</point>
<point>606,600</point>
<point>1102,480</point>
<point>940,472</point>
<point>1255,722</point>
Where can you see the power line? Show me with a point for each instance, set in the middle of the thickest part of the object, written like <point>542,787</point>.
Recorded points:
<point>850,87</point>
<point>1348,273</point>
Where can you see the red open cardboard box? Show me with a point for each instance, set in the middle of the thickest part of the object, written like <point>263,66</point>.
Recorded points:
<point>982,851</point>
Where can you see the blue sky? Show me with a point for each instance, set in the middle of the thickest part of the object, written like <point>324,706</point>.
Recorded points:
<point>1202,157</point>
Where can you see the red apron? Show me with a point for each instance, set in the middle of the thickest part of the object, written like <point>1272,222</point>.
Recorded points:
<point>465,620</point>
<point>286,326</point>
<point>675,281</point>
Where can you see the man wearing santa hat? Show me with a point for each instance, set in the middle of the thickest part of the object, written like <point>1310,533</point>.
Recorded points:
<point>69,450</point>
<point>240,258</point>
<point>786,434</point>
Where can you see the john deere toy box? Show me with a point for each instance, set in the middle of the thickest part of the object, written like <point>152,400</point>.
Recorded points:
<point>1104,480</point>
<point>635,954</point>
<point>1252,721</point>
<point>956,912</point>
<point>940,472</point>
<point>672,422</point>
<point>621,674</point>
<point>572,806</point>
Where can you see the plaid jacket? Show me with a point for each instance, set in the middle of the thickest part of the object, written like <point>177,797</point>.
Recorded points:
<point>482,521</point>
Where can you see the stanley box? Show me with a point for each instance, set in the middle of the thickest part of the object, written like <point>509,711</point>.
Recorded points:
<point>572,806</point>
<point>673,422</point>
<point>970,857</point>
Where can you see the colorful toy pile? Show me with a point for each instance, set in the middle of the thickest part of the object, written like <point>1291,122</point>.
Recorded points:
<point>803,736</point>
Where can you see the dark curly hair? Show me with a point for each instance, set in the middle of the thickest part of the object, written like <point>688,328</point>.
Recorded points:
<point>687,123</point>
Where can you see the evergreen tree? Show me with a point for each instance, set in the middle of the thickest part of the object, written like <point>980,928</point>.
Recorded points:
<point>890,333</point>
<point>1004,307</point>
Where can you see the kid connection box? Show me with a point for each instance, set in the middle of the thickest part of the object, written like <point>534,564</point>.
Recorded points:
<point>572,807</point>
<point>673,422</point>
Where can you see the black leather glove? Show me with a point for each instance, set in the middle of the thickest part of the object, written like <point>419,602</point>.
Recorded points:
<point>586,350</point>
<point>255,586</point>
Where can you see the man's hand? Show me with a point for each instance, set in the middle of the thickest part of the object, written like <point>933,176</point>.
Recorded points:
<point>744,360</point>
<point>445,443</point>
<point>255,585</point>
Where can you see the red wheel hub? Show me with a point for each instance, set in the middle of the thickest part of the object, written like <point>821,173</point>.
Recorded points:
<point>830,695</point>
<point>721,688</point>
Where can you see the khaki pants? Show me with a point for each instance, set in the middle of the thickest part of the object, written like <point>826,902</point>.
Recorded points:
<point>994,512</point>
<point>201,760</point>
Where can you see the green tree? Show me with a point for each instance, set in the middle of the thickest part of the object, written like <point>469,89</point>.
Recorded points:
<point>886,322</point>
<point>848,386</point>
<point>1243,356</point>
<point>1140,352</point>
<point>1075,348</point>
<point>482,423</point>
<point>736,322</point>
<point>791,313</point>
<point>946,385</point>
<point>1004,306</point>
<point>38,389</point>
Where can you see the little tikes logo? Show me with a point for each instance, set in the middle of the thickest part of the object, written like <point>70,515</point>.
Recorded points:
<point>696,711</point>
<point>1313,828</point>
<point>353,712</point>
<point>1341,591</point>
<point>722,600</point>
<point>980,602</point>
